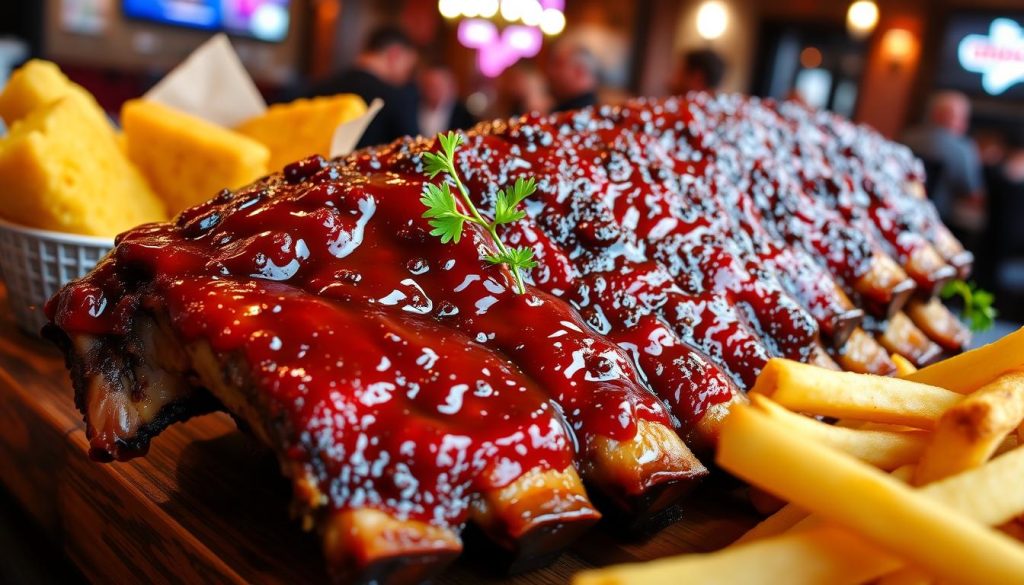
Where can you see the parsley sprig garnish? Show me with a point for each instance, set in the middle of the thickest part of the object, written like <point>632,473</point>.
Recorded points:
<point>448,222</point>
<point>978,310</point>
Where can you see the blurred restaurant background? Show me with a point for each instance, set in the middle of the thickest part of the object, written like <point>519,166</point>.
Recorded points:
<point>944,76</point>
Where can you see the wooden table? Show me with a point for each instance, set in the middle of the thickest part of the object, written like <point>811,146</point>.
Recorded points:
<point>208,505</point>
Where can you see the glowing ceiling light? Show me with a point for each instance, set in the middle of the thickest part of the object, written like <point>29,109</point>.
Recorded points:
<point>512,10</point>
<point>712,19</point>
<point>899,45</point>
<point>487,8</point>
<point>532,13</point>
<point>552,22</point>
<point>449,8</point>
<point>861,18</point>
<point>470,9</point>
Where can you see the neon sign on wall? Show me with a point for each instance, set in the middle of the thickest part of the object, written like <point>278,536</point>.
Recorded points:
<point>997,56</point>
<point>506,31</point>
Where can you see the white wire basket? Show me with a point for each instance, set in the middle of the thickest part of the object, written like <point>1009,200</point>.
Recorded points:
<point>36,263</point>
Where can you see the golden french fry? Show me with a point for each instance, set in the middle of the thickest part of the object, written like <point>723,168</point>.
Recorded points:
<point>970,432</point>
<point>822,553</point>
<point>883,449</point>
<point>826,554</point>
<point>867,425</point>
<point>855,495</point>
<point>805,388</point>
<point>990,494</point>
<point>904,474</point>
<point>971,370</point>
<point>876,426</point>
<point>903,366</point>
<point>779,522</point>
<point>906,576</point>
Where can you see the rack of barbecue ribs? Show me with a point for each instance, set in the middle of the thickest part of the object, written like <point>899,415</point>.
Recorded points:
<point>408,390</point>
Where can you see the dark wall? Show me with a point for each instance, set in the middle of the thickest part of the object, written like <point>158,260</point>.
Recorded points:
<point>23,19</point>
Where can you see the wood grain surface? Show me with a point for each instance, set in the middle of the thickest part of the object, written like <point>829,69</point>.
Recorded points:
<point>208,505</point>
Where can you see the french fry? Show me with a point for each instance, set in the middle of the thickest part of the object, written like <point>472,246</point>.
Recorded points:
<point>805,388</point>
<point>867,425</point>
<point>906,576</point>
<point>987,494</point>
<point>779,522</point>
<point>903,366</point>
<point>824,553</point>
<point>990,494</point>
<point>971,370</point>
<point>969,433</point>
<point>883,449</point>
<point>904,474</point>
<point>865,500</point>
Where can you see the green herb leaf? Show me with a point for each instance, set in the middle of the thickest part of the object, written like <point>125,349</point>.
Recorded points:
<point>448,228</point>
<point>448,222</point>
<point>978,310</point>
<point>450,142</point>
<point>515,257</point>
<point>434,164</point>
<point>522,257</point>
<point>444,216</point>
<point>508,199</point>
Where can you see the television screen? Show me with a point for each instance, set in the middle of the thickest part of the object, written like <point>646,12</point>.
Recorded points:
<point>266,20</point>
<point>983,54</point>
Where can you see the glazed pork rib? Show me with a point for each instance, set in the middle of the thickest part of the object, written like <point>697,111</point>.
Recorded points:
<point>407,390</point>
<point>405,387</point>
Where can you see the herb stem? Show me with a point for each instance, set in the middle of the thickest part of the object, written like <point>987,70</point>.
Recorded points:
<point>491,227</point>
<point>448,221</point>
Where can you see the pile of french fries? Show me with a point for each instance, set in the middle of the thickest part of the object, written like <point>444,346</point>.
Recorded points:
<point>918,480</point>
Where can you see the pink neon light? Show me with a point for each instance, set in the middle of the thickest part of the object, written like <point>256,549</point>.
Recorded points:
<point>477,32</point>
<point>525,40</point>
<point>497,52</point>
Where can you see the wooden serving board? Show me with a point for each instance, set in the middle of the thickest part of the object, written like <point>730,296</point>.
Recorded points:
<point>208,505</point>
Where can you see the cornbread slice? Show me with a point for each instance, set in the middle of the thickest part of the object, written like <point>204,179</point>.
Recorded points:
<point>61,169</point>
<point>39,83</point>
<point>187,159</point>
<point>303,127</point>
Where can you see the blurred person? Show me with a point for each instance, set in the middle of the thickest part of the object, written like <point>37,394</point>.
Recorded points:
<point>1003,237</point>
<point>699,70</point>
<point>440,107</point>
<point>573,75</point>
<point>1000,193</point>
<point>992,147</point>
<point>383,69</point>
<point>522,89</point>
<point>951,158</point>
